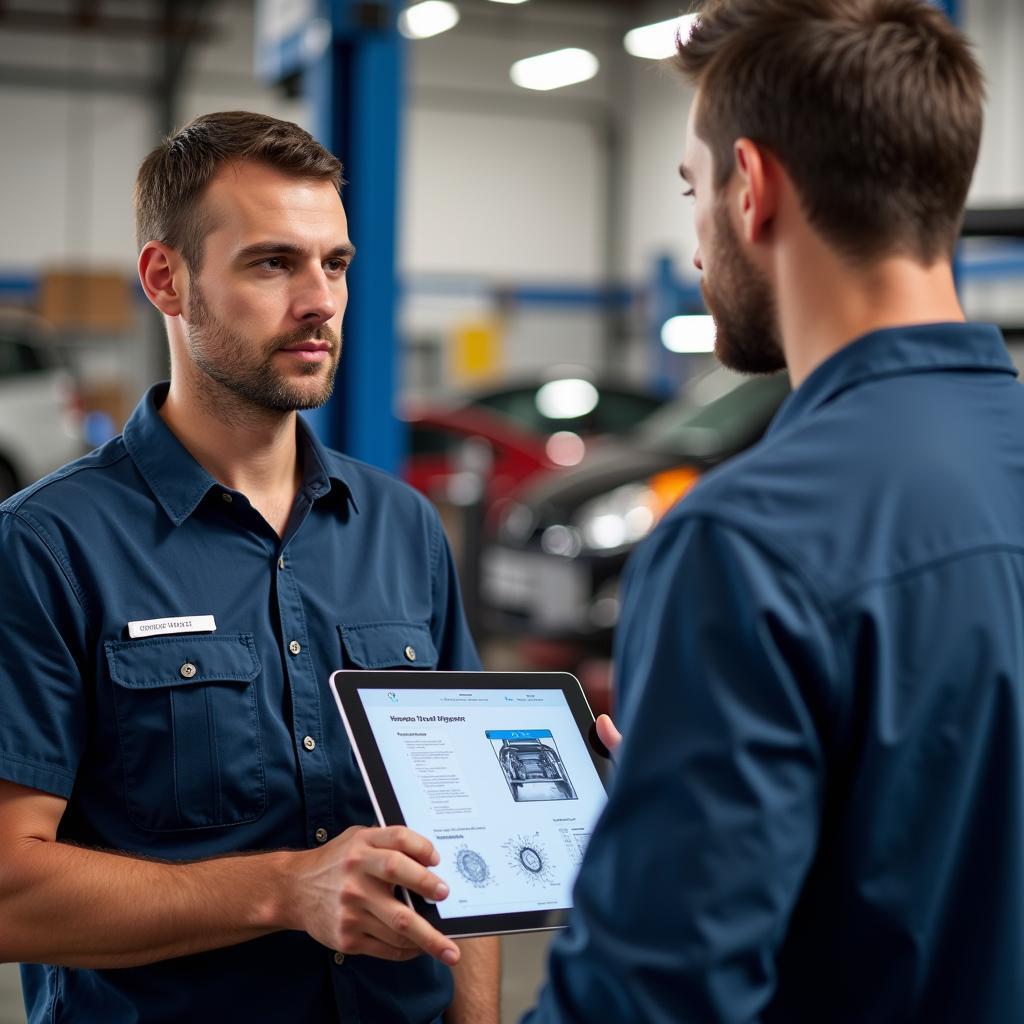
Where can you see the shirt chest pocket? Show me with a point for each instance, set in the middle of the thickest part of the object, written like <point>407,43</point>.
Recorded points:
<point>189,731</point>
<point>388,645</point>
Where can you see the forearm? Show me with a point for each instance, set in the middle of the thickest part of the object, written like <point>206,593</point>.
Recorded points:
<point>120,911</point>
<point>477,997</point>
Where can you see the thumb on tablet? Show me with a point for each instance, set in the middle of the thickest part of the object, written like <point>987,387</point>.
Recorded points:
<point>608,734</point>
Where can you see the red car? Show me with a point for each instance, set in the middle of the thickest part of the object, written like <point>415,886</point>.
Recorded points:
<point>449,445</point>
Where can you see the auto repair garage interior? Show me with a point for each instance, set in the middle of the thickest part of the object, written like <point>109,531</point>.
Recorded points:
<point>525,342</point>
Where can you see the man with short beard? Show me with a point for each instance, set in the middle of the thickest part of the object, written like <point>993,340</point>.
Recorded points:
<point>819,808</point>
<point>183,827</point>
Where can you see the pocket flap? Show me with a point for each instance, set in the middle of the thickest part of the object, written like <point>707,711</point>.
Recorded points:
<point>170,660</point>
<point>389,645</point>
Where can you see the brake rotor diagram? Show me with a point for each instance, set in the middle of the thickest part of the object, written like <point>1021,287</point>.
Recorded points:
<point>473,868</point>
<point>528,857</point>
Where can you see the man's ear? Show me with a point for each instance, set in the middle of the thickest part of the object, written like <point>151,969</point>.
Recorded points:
<point>758,189</point>
<point>162,273</point>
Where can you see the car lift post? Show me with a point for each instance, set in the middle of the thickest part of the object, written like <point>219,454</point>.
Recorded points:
<point>354,82</point>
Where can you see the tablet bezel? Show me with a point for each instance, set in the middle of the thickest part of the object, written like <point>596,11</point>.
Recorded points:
<point>345,683</point>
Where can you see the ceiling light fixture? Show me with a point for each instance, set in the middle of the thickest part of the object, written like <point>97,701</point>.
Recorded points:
<point>555,70</point>
<point>689,334</point>
<point>658,41</point>
<point>430,18</point>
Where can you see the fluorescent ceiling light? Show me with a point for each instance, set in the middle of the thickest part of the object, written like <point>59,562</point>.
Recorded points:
<point>689,334</point>
<point>430,18</point>
<point>658,41</point>
<point>508,1</point>
<point>555,70</point>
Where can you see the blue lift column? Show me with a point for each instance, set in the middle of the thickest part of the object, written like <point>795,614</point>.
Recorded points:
<point>354,85</point>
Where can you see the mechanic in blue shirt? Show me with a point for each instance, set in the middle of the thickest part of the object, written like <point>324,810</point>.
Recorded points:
<point>173,605</point>
<point>819,811</point>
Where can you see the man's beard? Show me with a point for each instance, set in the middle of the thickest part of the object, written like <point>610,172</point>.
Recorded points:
<point>741,302</point>
<point>223,356</point>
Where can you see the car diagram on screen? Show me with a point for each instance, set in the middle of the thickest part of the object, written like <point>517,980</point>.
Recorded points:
<point>531,764</point>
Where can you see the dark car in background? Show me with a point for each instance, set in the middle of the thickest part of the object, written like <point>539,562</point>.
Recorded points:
<point>550,570</point>
<point>570,400</point>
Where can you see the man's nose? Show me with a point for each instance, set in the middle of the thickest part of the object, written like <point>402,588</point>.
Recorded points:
<point>315,300</point>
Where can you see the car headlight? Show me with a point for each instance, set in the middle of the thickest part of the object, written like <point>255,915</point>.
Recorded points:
<point>626,515</point>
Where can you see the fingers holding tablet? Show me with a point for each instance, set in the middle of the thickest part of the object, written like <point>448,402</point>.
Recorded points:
<point>344,895</point>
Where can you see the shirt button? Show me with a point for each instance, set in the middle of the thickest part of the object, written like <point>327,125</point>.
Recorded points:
<point>295,647</point>
<point>321,835</point>
<point>188,670</point>
<point>309,743</point>
<point>280,562</point>
<point>228,497</point>
<point>410,653</point>
<point>339,958</point>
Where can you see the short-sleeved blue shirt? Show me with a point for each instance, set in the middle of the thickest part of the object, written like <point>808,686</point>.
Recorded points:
<point>190,745</point>
<point>819,809</point>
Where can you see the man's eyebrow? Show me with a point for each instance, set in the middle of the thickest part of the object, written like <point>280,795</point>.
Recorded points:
<point>346,251</point>
<point>685,173</point>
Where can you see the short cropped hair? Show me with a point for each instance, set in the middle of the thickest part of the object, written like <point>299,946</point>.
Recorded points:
<point>874,108</point>
<point>172,179</point>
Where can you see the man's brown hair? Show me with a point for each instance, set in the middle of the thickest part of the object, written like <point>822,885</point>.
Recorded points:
<point>172,179</point>
<point>874,107</point>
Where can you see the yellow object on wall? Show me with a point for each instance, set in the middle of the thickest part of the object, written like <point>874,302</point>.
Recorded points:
<point>476,350</point>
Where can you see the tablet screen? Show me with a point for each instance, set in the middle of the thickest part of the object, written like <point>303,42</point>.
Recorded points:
<point>501,781</point>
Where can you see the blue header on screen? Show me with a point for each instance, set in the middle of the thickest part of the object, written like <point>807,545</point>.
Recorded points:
<point>519,734</point>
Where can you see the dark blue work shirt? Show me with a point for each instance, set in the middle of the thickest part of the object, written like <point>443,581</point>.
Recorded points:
<point>819,810</point>
<point>189,745</point>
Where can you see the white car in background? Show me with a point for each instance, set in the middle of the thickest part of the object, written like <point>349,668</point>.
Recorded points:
<point>40,408</point>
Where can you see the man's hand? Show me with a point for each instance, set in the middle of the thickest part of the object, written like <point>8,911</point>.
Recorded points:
<point>607,733</point>
<point>123,911</point>
<point>343,894</point>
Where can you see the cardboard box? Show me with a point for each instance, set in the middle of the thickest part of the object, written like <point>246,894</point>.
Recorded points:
<point>87,300</point>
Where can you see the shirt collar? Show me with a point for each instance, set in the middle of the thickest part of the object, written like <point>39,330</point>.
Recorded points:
<point>318,474</point>
<point>897,351</point>
<point>180,483</point>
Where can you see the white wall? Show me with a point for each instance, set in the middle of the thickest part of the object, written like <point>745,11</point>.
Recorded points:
<point>69,158</point>
<point>503,197</point>
<point>657,219</point>
<point>67,166</point>
<point>503,187</point>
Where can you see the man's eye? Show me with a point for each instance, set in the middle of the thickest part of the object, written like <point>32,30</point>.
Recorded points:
<point>690,193</point>
<point>337,266</point>
<point>272,263</point>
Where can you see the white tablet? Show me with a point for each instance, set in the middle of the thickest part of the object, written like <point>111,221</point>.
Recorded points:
<point>498,769</point>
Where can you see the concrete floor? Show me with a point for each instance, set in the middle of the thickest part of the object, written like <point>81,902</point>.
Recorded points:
<point>523,963</point>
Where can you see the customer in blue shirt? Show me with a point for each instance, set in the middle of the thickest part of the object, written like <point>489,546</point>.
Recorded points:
<point>819,810</point>
<point>173,605</point>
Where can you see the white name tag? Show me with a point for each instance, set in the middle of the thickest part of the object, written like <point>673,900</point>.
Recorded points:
<point>181,624</point>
